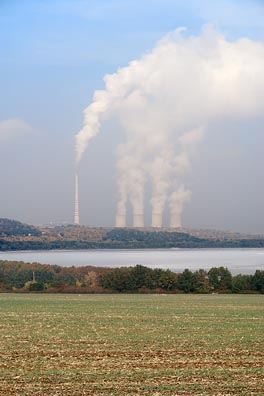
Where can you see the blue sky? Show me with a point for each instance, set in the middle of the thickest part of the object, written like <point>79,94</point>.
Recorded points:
<point>63,48</point>
<point>54,54</point>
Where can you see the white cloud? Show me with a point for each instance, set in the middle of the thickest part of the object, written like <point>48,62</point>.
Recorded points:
<point>13,129</point>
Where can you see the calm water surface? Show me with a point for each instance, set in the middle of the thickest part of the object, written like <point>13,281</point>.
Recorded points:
<point>244,261</point>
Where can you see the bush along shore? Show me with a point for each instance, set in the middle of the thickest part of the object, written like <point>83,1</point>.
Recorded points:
<point>20,277</point>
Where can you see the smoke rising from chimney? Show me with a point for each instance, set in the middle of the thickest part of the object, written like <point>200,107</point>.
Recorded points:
<point>164,103</point>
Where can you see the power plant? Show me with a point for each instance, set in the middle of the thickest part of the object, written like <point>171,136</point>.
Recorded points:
<point>164,103</point>
<point>138,211</point>
<point>156,221</point>
<point>138,216</point>
<point>175,202</point>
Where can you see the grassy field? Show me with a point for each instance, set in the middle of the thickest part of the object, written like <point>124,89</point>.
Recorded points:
<point>131,345</point>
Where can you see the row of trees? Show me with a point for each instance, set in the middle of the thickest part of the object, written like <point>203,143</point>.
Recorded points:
<point>148,243</point>
<point>219,279</point>
<point>20,276</point>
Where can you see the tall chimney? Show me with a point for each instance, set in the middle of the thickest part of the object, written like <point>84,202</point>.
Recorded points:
<point>76,202</point>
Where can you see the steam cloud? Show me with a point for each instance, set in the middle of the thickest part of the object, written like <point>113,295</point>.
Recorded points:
<point>164,102</point>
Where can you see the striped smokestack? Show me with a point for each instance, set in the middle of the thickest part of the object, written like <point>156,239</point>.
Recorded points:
<point>76,202</point>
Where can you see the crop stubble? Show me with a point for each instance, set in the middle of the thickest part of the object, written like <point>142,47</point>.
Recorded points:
<point>132,345</point>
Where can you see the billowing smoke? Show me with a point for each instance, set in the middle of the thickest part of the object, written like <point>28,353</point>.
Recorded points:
<point>181,165</point>
<point>164,103</point>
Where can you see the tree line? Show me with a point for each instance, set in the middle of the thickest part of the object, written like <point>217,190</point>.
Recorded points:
<point>12,228</point>
<point>33,277</point>
<point>151,242</point>
<point>217,279</point>
<point>131,238</point>
<point>18,236</point>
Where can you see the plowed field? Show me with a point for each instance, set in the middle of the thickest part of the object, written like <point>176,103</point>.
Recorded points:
<point>131,345</point>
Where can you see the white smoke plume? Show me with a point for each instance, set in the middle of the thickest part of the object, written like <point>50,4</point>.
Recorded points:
<point>181,165</point>
<point>181,85</point>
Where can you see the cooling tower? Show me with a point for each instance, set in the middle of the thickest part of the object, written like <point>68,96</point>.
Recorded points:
<point>175,220</point>
<point>156,220</point>
<point>76,202</point>
<point>138,220</point>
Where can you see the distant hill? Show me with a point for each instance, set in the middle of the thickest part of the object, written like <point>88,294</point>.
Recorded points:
<point>9,228</point>
<point>17,236</point>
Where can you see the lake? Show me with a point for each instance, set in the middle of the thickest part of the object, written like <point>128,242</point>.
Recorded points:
<point>244,261</point>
